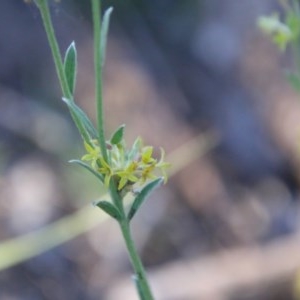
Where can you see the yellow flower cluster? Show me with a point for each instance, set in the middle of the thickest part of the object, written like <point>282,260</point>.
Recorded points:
<point>125,166</point>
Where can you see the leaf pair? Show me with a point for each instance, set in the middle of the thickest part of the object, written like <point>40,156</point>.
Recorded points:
<point>142,196</point>
<point>83,123</point>
<point>114,212</point>
<point>80,118</point>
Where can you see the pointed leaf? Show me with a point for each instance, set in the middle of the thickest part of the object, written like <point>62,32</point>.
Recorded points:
<point>87,167</point>
<point>117,135</point>
<point>70,66</point>
<point>110,209</point>
<point>135,149</point>
<point>104,31</point>
<point>81,120</point>
<point>142,195</point>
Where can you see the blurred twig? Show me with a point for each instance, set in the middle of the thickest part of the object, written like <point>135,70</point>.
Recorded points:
<point>190,151</point>
<point>29,245</point>
<point>20,249</point>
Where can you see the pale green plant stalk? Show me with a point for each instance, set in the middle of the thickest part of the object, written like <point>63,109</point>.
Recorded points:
<point>118,168</point>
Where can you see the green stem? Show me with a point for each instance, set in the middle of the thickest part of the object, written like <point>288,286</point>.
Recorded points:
<point>140,273</point>
<point>96,10</point>
<point>141,279</point>
<point>45,13</point>
<point>116,198</point>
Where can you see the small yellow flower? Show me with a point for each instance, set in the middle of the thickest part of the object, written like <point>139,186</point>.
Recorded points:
<point>105,170</point>
<point>162,165</point>
<point>148,173</point>
<point>128,175</point>
<point>147,155</point>
<point>93,153</point>
<point>128,167</point>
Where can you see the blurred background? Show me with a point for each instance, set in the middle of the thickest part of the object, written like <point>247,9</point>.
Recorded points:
<point>195,77</point>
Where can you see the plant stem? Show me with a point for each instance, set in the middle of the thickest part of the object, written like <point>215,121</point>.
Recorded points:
<point>44,10</point>
<point>140,273</point>
<point>96,10</point>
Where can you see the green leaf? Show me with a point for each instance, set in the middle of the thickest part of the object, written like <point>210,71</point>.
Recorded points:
<point>81,120</point>
<point>70,66</point>
<point>294,80</point>
<point>117,135</point>
<point>87,167</point>
<point>135,149</point>
<point>104,31</point>
<point>142,195</point>
<point>110,209</point>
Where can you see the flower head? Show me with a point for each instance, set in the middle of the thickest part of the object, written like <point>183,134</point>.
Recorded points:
<point>127,167</point>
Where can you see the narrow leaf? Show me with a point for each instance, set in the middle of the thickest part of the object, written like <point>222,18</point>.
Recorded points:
<point>87,167</point>
<point>110,209</point>
<point>70,66</point>
<point>104,31</point>
<point>81,120</point>
<point>142,195</point>
<point>117,135</point>
<point>135,149</point>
